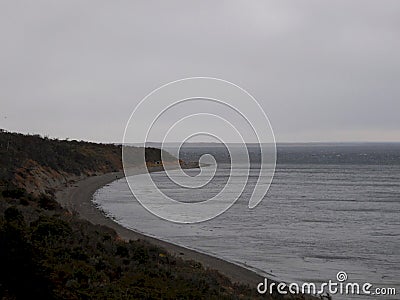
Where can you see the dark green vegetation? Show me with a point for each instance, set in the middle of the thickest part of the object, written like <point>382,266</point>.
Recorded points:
<point>51,254</point>
<point>46,252</point>
<point>18,151</point>
<point>75,157</point>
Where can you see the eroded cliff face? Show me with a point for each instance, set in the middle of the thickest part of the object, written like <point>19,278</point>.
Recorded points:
<point>37,179</point>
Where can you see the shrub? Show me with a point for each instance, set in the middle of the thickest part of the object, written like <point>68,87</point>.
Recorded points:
<point>48,203</point>
<point>15,193</point>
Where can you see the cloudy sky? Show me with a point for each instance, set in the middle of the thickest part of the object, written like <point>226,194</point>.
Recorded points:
<point>322,70</point>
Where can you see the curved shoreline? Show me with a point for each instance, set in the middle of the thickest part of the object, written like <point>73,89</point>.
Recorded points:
<point>78,197</point>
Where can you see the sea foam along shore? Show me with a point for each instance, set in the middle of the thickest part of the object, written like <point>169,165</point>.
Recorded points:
<point>78,197</point>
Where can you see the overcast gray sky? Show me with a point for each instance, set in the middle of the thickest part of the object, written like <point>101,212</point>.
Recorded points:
<point>322,70</point>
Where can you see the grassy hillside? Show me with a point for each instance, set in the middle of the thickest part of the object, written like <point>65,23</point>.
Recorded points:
<point>39,164</point>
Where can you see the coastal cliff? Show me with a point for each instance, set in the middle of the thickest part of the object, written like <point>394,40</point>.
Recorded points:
<point>40,165</point>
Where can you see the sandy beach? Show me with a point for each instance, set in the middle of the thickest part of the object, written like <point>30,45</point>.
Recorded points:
<point>77,196</point>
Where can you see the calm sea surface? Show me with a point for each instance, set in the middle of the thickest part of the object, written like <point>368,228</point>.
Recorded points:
<point>330,208</point>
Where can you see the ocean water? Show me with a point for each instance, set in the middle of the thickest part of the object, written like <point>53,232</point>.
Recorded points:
<point>330,208</point>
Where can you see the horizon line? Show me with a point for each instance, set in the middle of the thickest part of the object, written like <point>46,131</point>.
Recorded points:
<point>207,142</point>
